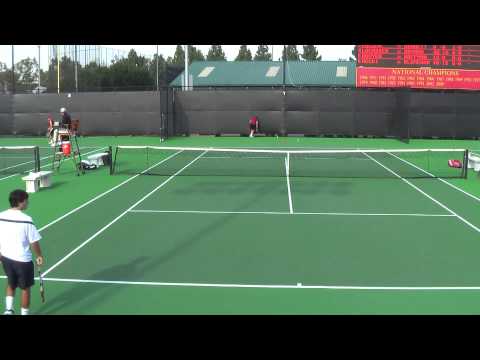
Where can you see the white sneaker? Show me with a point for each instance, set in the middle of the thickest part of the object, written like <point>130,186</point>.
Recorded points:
<point>9,312</point>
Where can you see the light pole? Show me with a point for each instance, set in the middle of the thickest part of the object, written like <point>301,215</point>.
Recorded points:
<point>76,70</point>
<point>157,68</point>
<point>39,71</point>
<point>186,67</point>
<point>58,72</point>
<point>284,58</point>
<point>13,70</point>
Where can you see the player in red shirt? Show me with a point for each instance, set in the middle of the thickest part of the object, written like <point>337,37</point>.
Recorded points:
<point>253,125</point>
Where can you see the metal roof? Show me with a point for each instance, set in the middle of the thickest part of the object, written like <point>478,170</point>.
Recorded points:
<point>270,73</point>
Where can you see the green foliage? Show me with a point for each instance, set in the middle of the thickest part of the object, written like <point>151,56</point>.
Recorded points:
<point>194,54</point>
<point>216,53</point>
<point>67,74</point>
<point>292,53</point>
<point>310,53</point>
<point>262,54</point>
<point>244,54</point>
<point>134,72</point>
<point>27,70</point>
<point>179,56</point>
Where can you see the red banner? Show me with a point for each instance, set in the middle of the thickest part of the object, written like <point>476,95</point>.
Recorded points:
<point>420,78</point>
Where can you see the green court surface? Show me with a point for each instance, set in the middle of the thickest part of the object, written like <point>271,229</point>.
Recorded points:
<point>161,244</point>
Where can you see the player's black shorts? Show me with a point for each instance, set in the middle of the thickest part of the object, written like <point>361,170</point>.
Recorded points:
<point>20,274</point>
<point>253,127</point>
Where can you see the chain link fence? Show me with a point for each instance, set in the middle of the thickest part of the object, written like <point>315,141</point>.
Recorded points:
<point>84,68</point>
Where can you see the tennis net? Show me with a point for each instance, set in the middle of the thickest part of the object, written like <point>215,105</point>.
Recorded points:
<point>167,161</point>
<point>19,159</point>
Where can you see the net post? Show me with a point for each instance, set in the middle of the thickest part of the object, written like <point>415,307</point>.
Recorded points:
<point>148,160</point>
<point>465,164</point>
<point>114,162</point>
<point>288,163</point>
<point>111,160</point>
<point>429,152</point>
<point>36,152</point>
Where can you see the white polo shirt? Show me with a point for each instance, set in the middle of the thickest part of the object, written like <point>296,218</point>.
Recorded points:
<point>17,232</point>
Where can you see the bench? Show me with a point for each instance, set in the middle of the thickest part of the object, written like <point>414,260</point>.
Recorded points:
<point>34,181</point>
<point>474,162</point>
<point>97,159</point>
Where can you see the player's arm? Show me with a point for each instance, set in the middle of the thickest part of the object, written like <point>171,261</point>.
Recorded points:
<point>38,252</point>
<point>33,238</point>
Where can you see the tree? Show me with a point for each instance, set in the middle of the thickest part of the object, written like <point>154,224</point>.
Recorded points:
<point>43,77</point>
<point>4,75</point>
<point>89,77</point>
<point>310,52</point>
<point>292,53</point>
<point>179,56</point>
<point>27,71</point>
<point>193,55</point>
<point>67,74</point>
<point>133,72</point>
<point>262,54</point>
<point>51,82</point>
<point>244,54</point>
<point>161,69</point>
<point>215,53</point>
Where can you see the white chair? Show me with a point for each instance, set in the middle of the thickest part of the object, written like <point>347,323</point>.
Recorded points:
<point>474,162</point>
<point>34,181</point>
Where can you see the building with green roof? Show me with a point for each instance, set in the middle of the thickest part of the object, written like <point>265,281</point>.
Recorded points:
<point>269,74</point>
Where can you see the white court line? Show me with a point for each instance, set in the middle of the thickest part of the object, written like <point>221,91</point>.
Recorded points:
<point>14,166</point>
<point>330,287</point>
<point>105,193</point>
<point>287,169</point>
<point>442,180</point>
<point>49,156</point>
<point>120,216</point>
<point>285,213</point>
<point>425,194</point>
<point>17,165</point>
<point>295,152</point>
<point>274,158</point>
<point>243,157</point>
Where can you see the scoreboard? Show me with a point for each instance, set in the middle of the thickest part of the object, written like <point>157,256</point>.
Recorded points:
<point>434,56</point>
<point>419,66</point>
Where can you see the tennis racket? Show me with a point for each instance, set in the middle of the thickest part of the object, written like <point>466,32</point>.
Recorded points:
<point>42,287</point>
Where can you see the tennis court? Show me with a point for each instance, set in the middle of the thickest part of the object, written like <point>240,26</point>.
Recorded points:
<point>269,231</point>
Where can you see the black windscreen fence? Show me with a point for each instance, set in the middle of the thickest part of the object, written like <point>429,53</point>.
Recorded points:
<point>394,113</point>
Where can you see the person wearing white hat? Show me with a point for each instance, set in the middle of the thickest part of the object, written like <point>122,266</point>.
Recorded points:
<point>66,118</point>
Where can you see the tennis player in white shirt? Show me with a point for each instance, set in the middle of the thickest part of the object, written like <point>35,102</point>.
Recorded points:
<point>18,235</point>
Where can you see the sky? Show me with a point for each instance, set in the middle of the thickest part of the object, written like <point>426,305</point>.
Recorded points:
<point>328,52</point>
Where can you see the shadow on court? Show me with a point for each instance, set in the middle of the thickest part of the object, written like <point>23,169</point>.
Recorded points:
<point>79,297</point>
<point>56,184</point>
<point>311,185</point>
<point>202,234</point>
